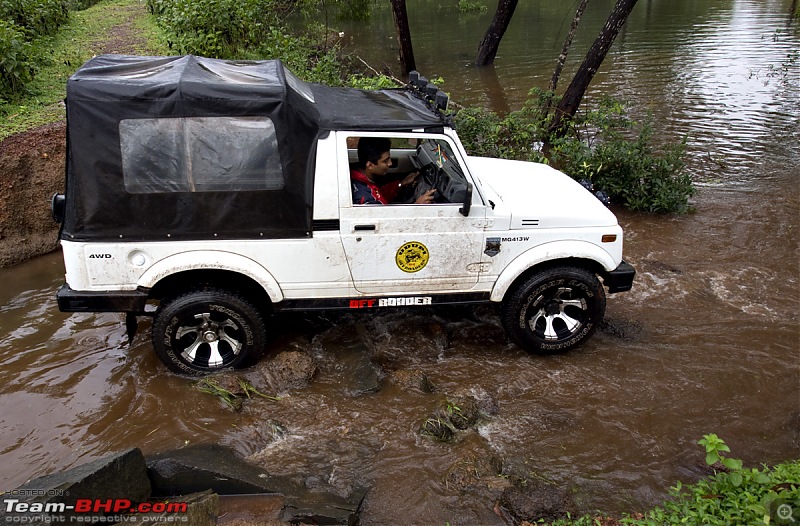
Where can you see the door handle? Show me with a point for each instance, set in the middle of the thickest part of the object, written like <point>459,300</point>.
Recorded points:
<point>364,227</point>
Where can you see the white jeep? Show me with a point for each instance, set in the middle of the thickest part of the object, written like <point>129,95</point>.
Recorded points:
<point>210,194</point>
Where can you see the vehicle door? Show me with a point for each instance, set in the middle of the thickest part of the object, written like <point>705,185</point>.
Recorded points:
<point>412,248</point>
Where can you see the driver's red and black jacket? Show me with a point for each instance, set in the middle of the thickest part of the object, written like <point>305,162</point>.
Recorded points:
<point>365,192</point>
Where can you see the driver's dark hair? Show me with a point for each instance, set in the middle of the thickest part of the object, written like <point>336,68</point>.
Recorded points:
<point>371,148</point>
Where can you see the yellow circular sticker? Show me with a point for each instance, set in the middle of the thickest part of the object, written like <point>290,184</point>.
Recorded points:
<point>412,257</point>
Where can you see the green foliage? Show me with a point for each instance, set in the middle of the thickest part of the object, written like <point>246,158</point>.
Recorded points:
<point>36,18</point>
<point>17,60</point>
<point>631,171</point>
<point>245,29</point>
<point>471,6</point>
<point>23,25</point>
<point>201,27</point>
<point>218,28</point>
<point>56,57</point>
<point>738,496</point>
<point>301,56</point>
<point>373,83</point>
<point>715,447</point>
<point>734,495</point>
<point>80,5</point>
<point>353,9</point>
<point>233,394</point>
<point>602,145</point>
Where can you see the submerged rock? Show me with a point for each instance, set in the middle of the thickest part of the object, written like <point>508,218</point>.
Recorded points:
<point>121,475</point>
<point>534,503</point>
<point>412,380</point>
<point>286,371</point>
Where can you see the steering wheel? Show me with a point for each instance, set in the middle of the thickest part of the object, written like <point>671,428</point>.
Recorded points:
<point>429,177</point>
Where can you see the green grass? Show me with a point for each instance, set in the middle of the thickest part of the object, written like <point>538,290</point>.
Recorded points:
<point>87,33</point>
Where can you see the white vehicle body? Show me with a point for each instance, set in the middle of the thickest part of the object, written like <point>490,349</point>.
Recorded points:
<point>210,194</point>
<point>538,215</point>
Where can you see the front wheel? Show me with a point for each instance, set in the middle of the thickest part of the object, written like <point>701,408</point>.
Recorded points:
<point>204,331</point>
<point>555,310</point>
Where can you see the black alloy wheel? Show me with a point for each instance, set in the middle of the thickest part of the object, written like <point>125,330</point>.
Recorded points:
<point>555,310</point>
<point>204,331</point>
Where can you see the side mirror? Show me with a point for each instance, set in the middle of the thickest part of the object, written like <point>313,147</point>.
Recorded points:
<point>57,207</point>
<point>467,201</point>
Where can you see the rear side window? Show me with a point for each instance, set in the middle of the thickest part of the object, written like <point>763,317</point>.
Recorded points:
<point>200,154</point>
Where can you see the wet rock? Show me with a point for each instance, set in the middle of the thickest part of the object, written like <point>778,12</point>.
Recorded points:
<point>321,508</point>
<point>216,468</point>
<point>351,364</point>
<point>438,427</point>
<point>231,388</point>
<point>230,382</point>
<point>205,467</point>
<point>261,510</point>
<point>399,341</point>
<point>118,476</point>
<point>534,503</point>
<point>202,509</point>
<point>485,403</point>
<point>246,522</point>
<point>366,376</point>
<point>286,371</point>
<point>463,414</point>
<point>459,413</point>
<point>468,406</point>
<point>653,265</point>
<point>412,380</point>
<point>621,328</point>
<point>475,470</point>
<point>477,334</point>
<point>344,333</point>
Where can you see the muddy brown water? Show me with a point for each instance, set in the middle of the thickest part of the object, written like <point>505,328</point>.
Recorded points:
<point>708,340</point>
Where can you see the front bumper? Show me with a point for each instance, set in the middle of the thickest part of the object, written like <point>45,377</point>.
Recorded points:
<point>620,279</point>
<point>113,301</point>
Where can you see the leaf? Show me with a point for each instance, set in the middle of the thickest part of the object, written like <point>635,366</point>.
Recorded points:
<point>732,463</point>
<point>735,478</point>
<point>761,478</point>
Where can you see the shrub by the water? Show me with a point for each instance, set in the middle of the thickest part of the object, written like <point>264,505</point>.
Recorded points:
<point>602,145</point>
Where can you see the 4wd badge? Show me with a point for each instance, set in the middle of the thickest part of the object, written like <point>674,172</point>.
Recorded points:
<point>412,257</point>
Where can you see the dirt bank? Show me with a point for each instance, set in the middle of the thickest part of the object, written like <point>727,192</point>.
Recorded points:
<point>31,171</point>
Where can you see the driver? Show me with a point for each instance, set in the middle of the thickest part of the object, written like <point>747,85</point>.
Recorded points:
<point>374,162</point>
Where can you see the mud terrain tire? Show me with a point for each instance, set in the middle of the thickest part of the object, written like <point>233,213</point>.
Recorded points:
<point>204,331</point>
<point>554,310</point>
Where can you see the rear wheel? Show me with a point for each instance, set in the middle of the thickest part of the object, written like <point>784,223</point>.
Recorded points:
<point>204,331</point>
<point>555,310</point>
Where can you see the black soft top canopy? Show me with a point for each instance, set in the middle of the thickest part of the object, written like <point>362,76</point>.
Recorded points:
<point>192,148</point>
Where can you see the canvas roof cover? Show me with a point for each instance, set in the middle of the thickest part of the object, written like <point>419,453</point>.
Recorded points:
<point>210,122</point>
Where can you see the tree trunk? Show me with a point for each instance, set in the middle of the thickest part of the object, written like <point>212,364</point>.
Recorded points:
<point>407,62</point>
<point>491,40</point>
<point>594,58</point>
<point>567,43</point>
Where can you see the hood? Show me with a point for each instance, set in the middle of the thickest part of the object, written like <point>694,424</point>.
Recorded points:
<point>538,196</point>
